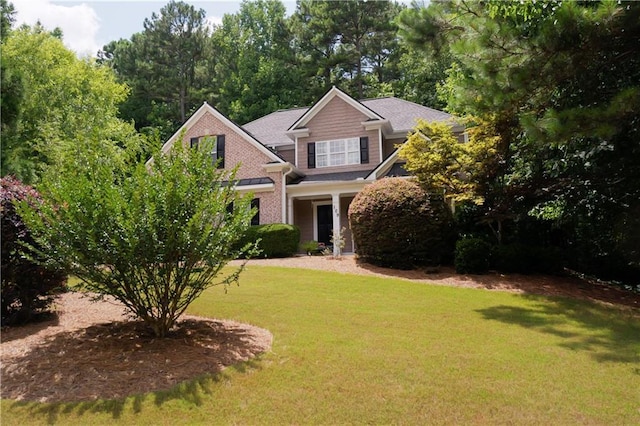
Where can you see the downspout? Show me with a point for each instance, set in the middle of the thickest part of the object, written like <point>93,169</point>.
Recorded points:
<point>284,193</point>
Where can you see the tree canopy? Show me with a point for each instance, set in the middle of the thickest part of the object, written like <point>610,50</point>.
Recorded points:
<point>560,81</point>
<point>51,98</point>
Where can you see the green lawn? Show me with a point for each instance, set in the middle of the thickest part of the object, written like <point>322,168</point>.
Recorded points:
<point>363,350</point>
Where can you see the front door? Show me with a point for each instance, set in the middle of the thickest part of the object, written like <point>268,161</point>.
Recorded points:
<point>325,223</point>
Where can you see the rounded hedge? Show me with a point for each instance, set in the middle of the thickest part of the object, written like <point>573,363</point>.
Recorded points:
<point>275,239</point>
<point>396,224</point>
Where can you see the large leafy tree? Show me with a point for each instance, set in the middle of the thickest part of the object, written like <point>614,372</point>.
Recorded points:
<point>561,80</point>
<point>51,98</point>
<point>255,67</point>
<point>154,236</point>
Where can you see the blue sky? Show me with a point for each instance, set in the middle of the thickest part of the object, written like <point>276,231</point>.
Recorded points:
<point>88,25</point>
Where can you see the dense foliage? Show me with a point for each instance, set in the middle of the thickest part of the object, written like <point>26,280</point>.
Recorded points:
<point>28,284</point>
<point>273,239</point>
<point>51,98</point>
<point>132,233</point>
<point>260,60</point>
<point>395,223</point>
<point>472,256</point>
<point>559,82</point>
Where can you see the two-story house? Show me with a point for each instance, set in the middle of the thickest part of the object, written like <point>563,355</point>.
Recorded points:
<point>305,165</point>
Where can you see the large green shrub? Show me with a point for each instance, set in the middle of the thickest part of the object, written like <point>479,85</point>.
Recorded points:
<point>28,286</point>
<point>396,224</point>
<point>472,256</point>
<point>274,239</point>
<point>153,236</point>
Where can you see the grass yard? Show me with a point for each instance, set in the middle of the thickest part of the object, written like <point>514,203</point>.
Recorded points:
<point>365,350</point>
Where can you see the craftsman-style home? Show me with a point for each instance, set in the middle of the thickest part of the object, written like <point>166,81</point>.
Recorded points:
<point>305,165</point>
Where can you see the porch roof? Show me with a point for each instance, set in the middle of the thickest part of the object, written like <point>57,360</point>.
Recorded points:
<point>334,177</point>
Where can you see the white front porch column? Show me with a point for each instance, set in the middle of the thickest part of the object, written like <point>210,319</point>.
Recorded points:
<point>335,201</point>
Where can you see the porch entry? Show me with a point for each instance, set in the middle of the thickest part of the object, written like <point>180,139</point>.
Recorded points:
<point>324,226</point>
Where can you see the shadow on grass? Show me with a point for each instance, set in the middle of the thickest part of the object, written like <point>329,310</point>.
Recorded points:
<point>607,334</point>
<point>110,368</point>
<point>192,392</point>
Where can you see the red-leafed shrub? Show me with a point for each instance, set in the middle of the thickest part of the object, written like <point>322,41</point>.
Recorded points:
<point>396,224</point>
<point>27,286</point>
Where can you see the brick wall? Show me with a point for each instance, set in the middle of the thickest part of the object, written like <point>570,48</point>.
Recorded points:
<point>238,151</point>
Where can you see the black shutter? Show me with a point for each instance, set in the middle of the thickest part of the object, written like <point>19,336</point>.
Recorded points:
<point>311,155</point>
<point>255,204</point>
<point>364,150</point>
<point>220,151</point>
<point>193,142</point>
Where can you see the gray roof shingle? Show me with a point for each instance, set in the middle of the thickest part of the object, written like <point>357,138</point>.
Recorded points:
<point>271,129</point>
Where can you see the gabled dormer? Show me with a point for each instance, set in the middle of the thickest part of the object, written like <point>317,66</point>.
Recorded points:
<point>337,134</point>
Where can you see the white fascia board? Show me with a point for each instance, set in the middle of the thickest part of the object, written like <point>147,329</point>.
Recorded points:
<point>313,189</point>
<point>375,125</point>
<point>264,187</point>
<point>301,133</point>
<point>311,112</point>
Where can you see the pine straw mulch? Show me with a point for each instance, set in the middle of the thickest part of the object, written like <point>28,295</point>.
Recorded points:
<point>89,350</point>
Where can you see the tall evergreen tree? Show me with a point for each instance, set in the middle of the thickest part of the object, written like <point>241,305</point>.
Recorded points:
<point>345,43</point>
<point>163,65</point>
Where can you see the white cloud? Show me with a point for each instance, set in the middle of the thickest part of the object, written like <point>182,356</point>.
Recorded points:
<point>79,24</point>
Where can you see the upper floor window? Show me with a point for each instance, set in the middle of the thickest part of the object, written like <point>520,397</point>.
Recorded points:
<point>215,145</point>
<point>338,152</point>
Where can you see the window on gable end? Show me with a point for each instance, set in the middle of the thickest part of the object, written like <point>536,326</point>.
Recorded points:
<point>215,146</point>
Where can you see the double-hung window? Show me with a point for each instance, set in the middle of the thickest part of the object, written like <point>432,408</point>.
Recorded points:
<point>338,152</point>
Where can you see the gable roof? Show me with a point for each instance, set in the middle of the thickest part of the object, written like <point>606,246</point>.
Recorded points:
<point>332,93</point>
<point>271,129</point>
<point>400,114</point>
<point>206,108</point>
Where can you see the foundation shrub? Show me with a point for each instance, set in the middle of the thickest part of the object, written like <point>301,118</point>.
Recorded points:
<point>396,224</point>
<point>274,239</point>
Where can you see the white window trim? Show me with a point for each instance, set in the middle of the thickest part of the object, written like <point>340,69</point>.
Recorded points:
<point>345,152</point>
<point>213,154</point>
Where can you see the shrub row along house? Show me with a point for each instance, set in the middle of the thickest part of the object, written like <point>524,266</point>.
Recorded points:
<point>305,165</point>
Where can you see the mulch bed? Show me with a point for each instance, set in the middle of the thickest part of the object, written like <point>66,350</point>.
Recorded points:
<point>115,360</point>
